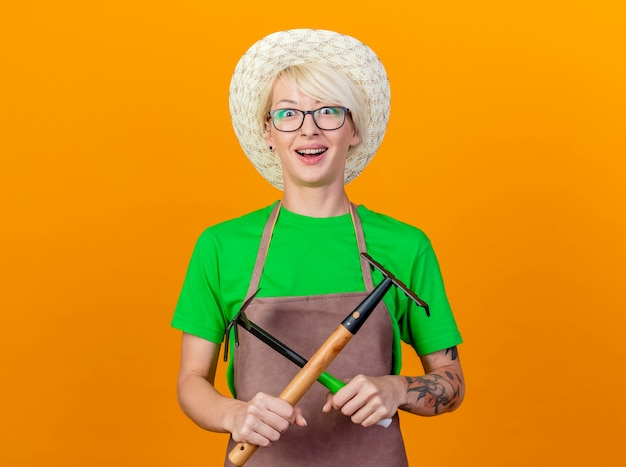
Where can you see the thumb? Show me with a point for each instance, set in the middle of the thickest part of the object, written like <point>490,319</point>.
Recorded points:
<point>300,420</point>
<point>328,405</point>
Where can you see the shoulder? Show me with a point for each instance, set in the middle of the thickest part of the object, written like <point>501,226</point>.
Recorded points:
<point>238,228</point>
<point>232,239</point>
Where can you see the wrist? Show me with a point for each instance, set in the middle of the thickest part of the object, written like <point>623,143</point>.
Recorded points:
<point>402,392</point>
<point>229,419</point>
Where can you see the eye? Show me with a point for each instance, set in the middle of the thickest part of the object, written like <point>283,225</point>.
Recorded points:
<point>329,111</point>
<point>282,114</point>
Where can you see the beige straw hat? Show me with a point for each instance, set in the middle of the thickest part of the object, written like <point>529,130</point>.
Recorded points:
<point>260,64</point>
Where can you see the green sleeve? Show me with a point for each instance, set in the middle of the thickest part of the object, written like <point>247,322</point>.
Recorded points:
<point>428,334</point>
<point>199,310</point>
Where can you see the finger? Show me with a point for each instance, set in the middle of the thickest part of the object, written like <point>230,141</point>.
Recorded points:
<point>369,416</point>
<point>258,433</point>
<point>282,408</point>
<point>266,417</point>
<point>362,406</point>
<point>273,411</point>
<point>300,420</point>
<point>328,404</point>
<point>277,422</point>
<point>352,406</point>
<point>345,394</point>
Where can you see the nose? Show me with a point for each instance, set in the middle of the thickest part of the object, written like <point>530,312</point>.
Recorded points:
<point>308,126</point>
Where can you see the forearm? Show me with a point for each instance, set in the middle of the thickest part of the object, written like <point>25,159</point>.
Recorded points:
<point>441,389</point>
<point>206,406</point>
<point>437,392</point>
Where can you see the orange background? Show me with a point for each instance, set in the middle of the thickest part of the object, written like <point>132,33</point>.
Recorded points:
<point>505,144</point>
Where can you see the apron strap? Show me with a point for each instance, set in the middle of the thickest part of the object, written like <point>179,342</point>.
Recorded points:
<point>267,236</point>
<point>360,240</point>
<point>263,248</point>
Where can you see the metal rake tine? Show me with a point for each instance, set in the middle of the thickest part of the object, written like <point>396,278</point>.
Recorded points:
<point>398,283</point>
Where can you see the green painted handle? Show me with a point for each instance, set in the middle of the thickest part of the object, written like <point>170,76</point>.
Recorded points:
<point>330,382</point>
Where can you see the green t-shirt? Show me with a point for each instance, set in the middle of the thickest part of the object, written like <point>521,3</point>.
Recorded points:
<point>312,256</point>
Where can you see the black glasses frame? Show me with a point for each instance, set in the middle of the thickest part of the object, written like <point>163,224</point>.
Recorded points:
<point>304,113</point>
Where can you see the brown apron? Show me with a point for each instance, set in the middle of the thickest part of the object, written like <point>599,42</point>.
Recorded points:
<point>304,323</point>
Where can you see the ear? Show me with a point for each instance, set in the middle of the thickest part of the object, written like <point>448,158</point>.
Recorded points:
<point>356,139</point>
<point>269,141</point>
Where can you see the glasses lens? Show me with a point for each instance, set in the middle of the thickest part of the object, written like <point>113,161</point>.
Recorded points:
<point>287,119</point>
<point>330,118</point>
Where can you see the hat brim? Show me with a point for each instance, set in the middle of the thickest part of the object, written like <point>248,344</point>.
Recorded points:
<point>275,52</point>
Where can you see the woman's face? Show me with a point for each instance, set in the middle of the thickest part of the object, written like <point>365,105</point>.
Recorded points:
<point>309,156</point>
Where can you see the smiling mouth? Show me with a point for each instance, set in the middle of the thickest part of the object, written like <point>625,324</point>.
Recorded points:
<point>311,152</point>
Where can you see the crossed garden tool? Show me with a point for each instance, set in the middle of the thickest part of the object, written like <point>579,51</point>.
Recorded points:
<point>314,368</point>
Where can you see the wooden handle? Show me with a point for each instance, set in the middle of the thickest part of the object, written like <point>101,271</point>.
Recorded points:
<point>301,383</point>
<point>241,453</point>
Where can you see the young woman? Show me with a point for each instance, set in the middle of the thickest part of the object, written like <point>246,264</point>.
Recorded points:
<point>310,108</point>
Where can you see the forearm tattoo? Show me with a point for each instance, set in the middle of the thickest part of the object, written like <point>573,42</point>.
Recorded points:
<point>440,391</point>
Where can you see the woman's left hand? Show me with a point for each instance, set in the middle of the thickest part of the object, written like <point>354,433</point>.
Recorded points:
<point>367,399</point>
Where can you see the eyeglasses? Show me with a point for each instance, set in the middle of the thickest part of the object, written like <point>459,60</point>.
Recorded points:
<point>325,118</point>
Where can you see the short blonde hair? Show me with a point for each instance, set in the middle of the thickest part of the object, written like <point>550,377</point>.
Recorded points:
<point>325,84</point>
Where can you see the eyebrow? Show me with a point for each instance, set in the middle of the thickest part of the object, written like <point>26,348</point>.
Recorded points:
<point>289,101</point>
<point>286,101</point>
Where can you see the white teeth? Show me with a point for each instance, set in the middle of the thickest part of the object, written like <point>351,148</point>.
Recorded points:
<point>311,152</point>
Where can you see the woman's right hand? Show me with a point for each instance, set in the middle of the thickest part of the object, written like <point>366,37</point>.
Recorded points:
<point>259,421</point>
<point>263,419</point>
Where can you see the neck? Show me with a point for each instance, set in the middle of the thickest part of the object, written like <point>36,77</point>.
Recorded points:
<point>316,202</point>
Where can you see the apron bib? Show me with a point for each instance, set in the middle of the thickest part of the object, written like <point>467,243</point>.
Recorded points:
<point>304,323</point>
